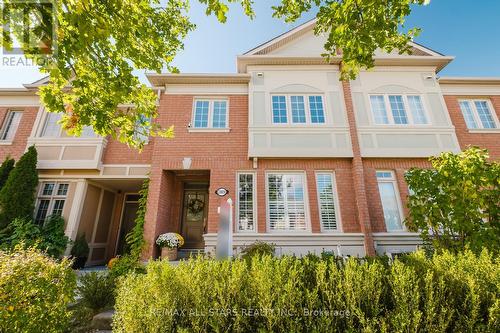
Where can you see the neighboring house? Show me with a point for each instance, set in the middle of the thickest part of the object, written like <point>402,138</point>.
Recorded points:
<point>313,164</point>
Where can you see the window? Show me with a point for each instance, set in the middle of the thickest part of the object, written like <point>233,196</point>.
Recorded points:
<point>219,114</point>
<point>297,109</point>
<point>478,114</point>
<point>52,128</point>
<point>316,107</point>
<point>326,201</point>
<point>404,110</point>
<point>10,125</point>
<point>142,129</point>
<point>246,199</point>
<point>417,110</point>
<point>398,110</point>
<point>378,109</point>
<point>51,200</point>
<point>286,203</point>
<point>210,114</point>
<point>279,110</point>
<point>390,200</point>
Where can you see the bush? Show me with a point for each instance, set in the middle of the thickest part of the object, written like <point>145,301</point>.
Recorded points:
<point>54,241</point>
<point>452,293</point>
<point>49,238</point>
<point>35,292</point>
<point>125,265</point>
<point>80,248</point>
<point>96,290</point>
<point>17,197</point>
<point>258,249</point>
<point>456,204</point>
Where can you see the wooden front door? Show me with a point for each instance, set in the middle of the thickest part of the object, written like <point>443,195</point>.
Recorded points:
<point>194,218</point>
<point>130,207</point>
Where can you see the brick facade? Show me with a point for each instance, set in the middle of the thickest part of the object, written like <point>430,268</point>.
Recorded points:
<point>217,156</point>
<point>18,145</point>
<point>467,138</point>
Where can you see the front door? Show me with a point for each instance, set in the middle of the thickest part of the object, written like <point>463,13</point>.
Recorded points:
<point>194,218</point>
<point>129,214</point>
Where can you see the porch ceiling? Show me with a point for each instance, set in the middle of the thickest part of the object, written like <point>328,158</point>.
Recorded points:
<point>123,185</point>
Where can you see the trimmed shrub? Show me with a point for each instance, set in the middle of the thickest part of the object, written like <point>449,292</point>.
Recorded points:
<point>5,169</point>
<point>453,293</point>
<point>258,249</point>
<point>35,292</point>
<point>17,197</point>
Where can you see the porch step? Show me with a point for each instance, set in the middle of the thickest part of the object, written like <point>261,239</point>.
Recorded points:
<point>186,253</point>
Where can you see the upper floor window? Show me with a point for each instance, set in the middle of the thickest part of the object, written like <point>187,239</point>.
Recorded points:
<point>10,125</point>
<point>142,129</point>
<point>51,127</point>
<point>398,110</point>
<point>298,109</point>
<point>210,113</point>
<point>51,200</point>
<point>478,114</point>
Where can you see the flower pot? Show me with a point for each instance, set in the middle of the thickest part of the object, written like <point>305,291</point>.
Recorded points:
<point>170,254</point>
<point>79,262</point>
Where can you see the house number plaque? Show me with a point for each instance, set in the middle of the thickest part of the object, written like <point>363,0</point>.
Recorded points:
<point>221,191</point>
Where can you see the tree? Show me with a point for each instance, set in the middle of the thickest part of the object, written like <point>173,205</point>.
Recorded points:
<point>456,203</point>
<point>17,197</point>
<point>100,43</point>
<point>5,169</point>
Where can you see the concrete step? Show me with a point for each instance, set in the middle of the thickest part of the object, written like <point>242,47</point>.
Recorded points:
<point>102,321</point>
<point>186,253</point>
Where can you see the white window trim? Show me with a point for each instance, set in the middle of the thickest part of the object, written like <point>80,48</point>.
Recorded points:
<point>307,230</point>
<point>3,130</point>
<point>477,119</point>
<point>409,115</point>
<point>209,127</point>
<point>307,110</point>
<point>52,198</point>
<point>254,192</point>
<point>336,201</point>
<point>394,181</point>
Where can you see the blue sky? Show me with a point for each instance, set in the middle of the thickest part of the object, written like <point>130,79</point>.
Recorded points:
<point>463,29</point>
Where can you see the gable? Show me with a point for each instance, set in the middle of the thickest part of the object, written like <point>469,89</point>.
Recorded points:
<point>302,42</point>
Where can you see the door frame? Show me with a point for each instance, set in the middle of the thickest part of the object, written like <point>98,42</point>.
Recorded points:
<point>204,187</point>
<point>124,202</point>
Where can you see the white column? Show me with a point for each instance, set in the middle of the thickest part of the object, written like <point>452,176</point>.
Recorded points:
<point>76,210</point>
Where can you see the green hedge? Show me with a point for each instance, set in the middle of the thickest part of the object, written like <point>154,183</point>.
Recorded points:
<point>35,292</point>
<point>453,293</point>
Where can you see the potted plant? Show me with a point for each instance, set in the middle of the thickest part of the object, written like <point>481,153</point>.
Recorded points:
<point>169,243</point>
<point>80,252</point>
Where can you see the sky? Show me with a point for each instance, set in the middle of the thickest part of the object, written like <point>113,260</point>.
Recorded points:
<point>464,29</point>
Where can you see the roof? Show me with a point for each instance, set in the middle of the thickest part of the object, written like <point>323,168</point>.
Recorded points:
<point>158,80</point>
<point>15,91</point>
<point>268,53</point>
<point>469,80</point>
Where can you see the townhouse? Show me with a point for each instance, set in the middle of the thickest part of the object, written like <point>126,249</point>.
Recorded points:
<point>312,163</point>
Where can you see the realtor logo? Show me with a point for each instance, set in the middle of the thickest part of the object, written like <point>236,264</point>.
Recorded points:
<point>28,31</point>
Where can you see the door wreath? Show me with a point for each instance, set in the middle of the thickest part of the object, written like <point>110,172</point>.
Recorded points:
<point>195,206</point>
